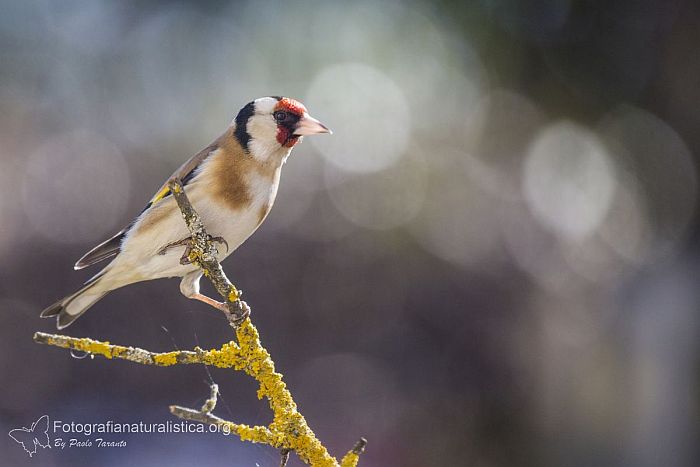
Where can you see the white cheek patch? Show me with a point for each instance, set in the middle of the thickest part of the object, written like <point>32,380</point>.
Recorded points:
<point>262,127</point>
<point>263,144</point>
<point>266,150</point>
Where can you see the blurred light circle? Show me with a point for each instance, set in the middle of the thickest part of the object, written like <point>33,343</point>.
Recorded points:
<point>458,221</point>
<point>536,250</point>
<point>661,169</point>
<point>380,200</point>
<point>568,180</point>
<point>368,113</point>
<point>418,49</point>
<point>496,136</point>
<point>437,68</point>
<point>75,188</point>
<point>595,260</point>
<point>627,229</point>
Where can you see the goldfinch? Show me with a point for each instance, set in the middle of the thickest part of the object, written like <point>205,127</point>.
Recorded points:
<point>232,183</point>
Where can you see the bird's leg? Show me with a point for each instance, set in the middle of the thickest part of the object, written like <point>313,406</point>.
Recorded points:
<point>209,301</point>
<point>237,317</point>
<point>189,287</point>
<point>187,243</point>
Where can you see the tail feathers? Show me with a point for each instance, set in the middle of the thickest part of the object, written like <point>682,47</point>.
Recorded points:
<point>70,308</point>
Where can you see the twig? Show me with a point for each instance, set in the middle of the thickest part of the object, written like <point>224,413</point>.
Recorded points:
<point>284,457</point>
<point>210,404</point>
<point>288,430</point>
<point>133,354</point>
<point>203,254</point>
<point>359,447</point>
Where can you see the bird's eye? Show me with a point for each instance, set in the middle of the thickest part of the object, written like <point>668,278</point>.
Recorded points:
<point>280,115</point>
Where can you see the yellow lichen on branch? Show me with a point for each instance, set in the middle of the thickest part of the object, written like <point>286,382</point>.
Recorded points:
<point>288,430</point>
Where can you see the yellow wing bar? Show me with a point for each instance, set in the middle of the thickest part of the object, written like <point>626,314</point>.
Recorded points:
<point>165,191</point>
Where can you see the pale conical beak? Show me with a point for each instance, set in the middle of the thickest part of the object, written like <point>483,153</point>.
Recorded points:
<point>307,125</point>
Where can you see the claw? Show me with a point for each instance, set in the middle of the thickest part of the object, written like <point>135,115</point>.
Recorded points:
<point>187,243</point>
<point>184,242</point>
<point>241,314</point>
<point>219,240</point>
<point>185,258</point>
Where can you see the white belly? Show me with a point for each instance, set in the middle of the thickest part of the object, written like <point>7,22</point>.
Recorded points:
<point>142,256</point>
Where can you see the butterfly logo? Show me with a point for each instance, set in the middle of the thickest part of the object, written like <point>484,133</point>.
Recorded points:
<point>30,438</point>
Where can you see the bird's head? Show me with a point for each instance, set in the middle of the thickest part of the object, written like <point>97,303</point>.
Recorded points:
<point>271,126</point>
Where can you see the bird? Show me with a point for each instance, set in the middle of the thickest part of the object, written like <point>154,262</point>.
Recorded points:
<point>232,183</point>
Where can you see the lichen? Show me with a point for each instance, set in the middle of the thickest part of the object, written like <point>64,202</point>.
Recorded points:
<point>254,434</point>
<point>229,356</point>
<point>166,359</point>
<point>94,347</point>
<point>288,429</point>
<point>350,460</point>
<point>233,295</point>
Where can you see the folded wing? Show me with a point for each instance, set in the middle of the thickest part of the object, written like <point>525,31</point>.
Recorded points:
<point>112,246</point>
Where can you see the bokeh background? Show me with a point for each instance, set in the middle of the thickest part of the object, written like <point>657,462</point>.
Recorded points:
<point>492,262</point>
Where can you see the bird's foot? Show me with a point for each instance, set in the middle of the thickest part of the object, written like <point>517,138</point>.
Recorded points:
<point>220,240</point>
<point>240,314</point>
<point>187,243</point>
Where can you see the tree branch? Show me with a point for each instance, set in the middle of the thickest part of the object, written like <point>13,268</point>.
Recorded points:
<point>288,430</point>
<point>203,254</point>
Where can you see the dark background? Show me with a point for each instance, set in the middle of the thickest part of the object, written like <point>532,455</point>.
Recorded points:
<point>492,262</point>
